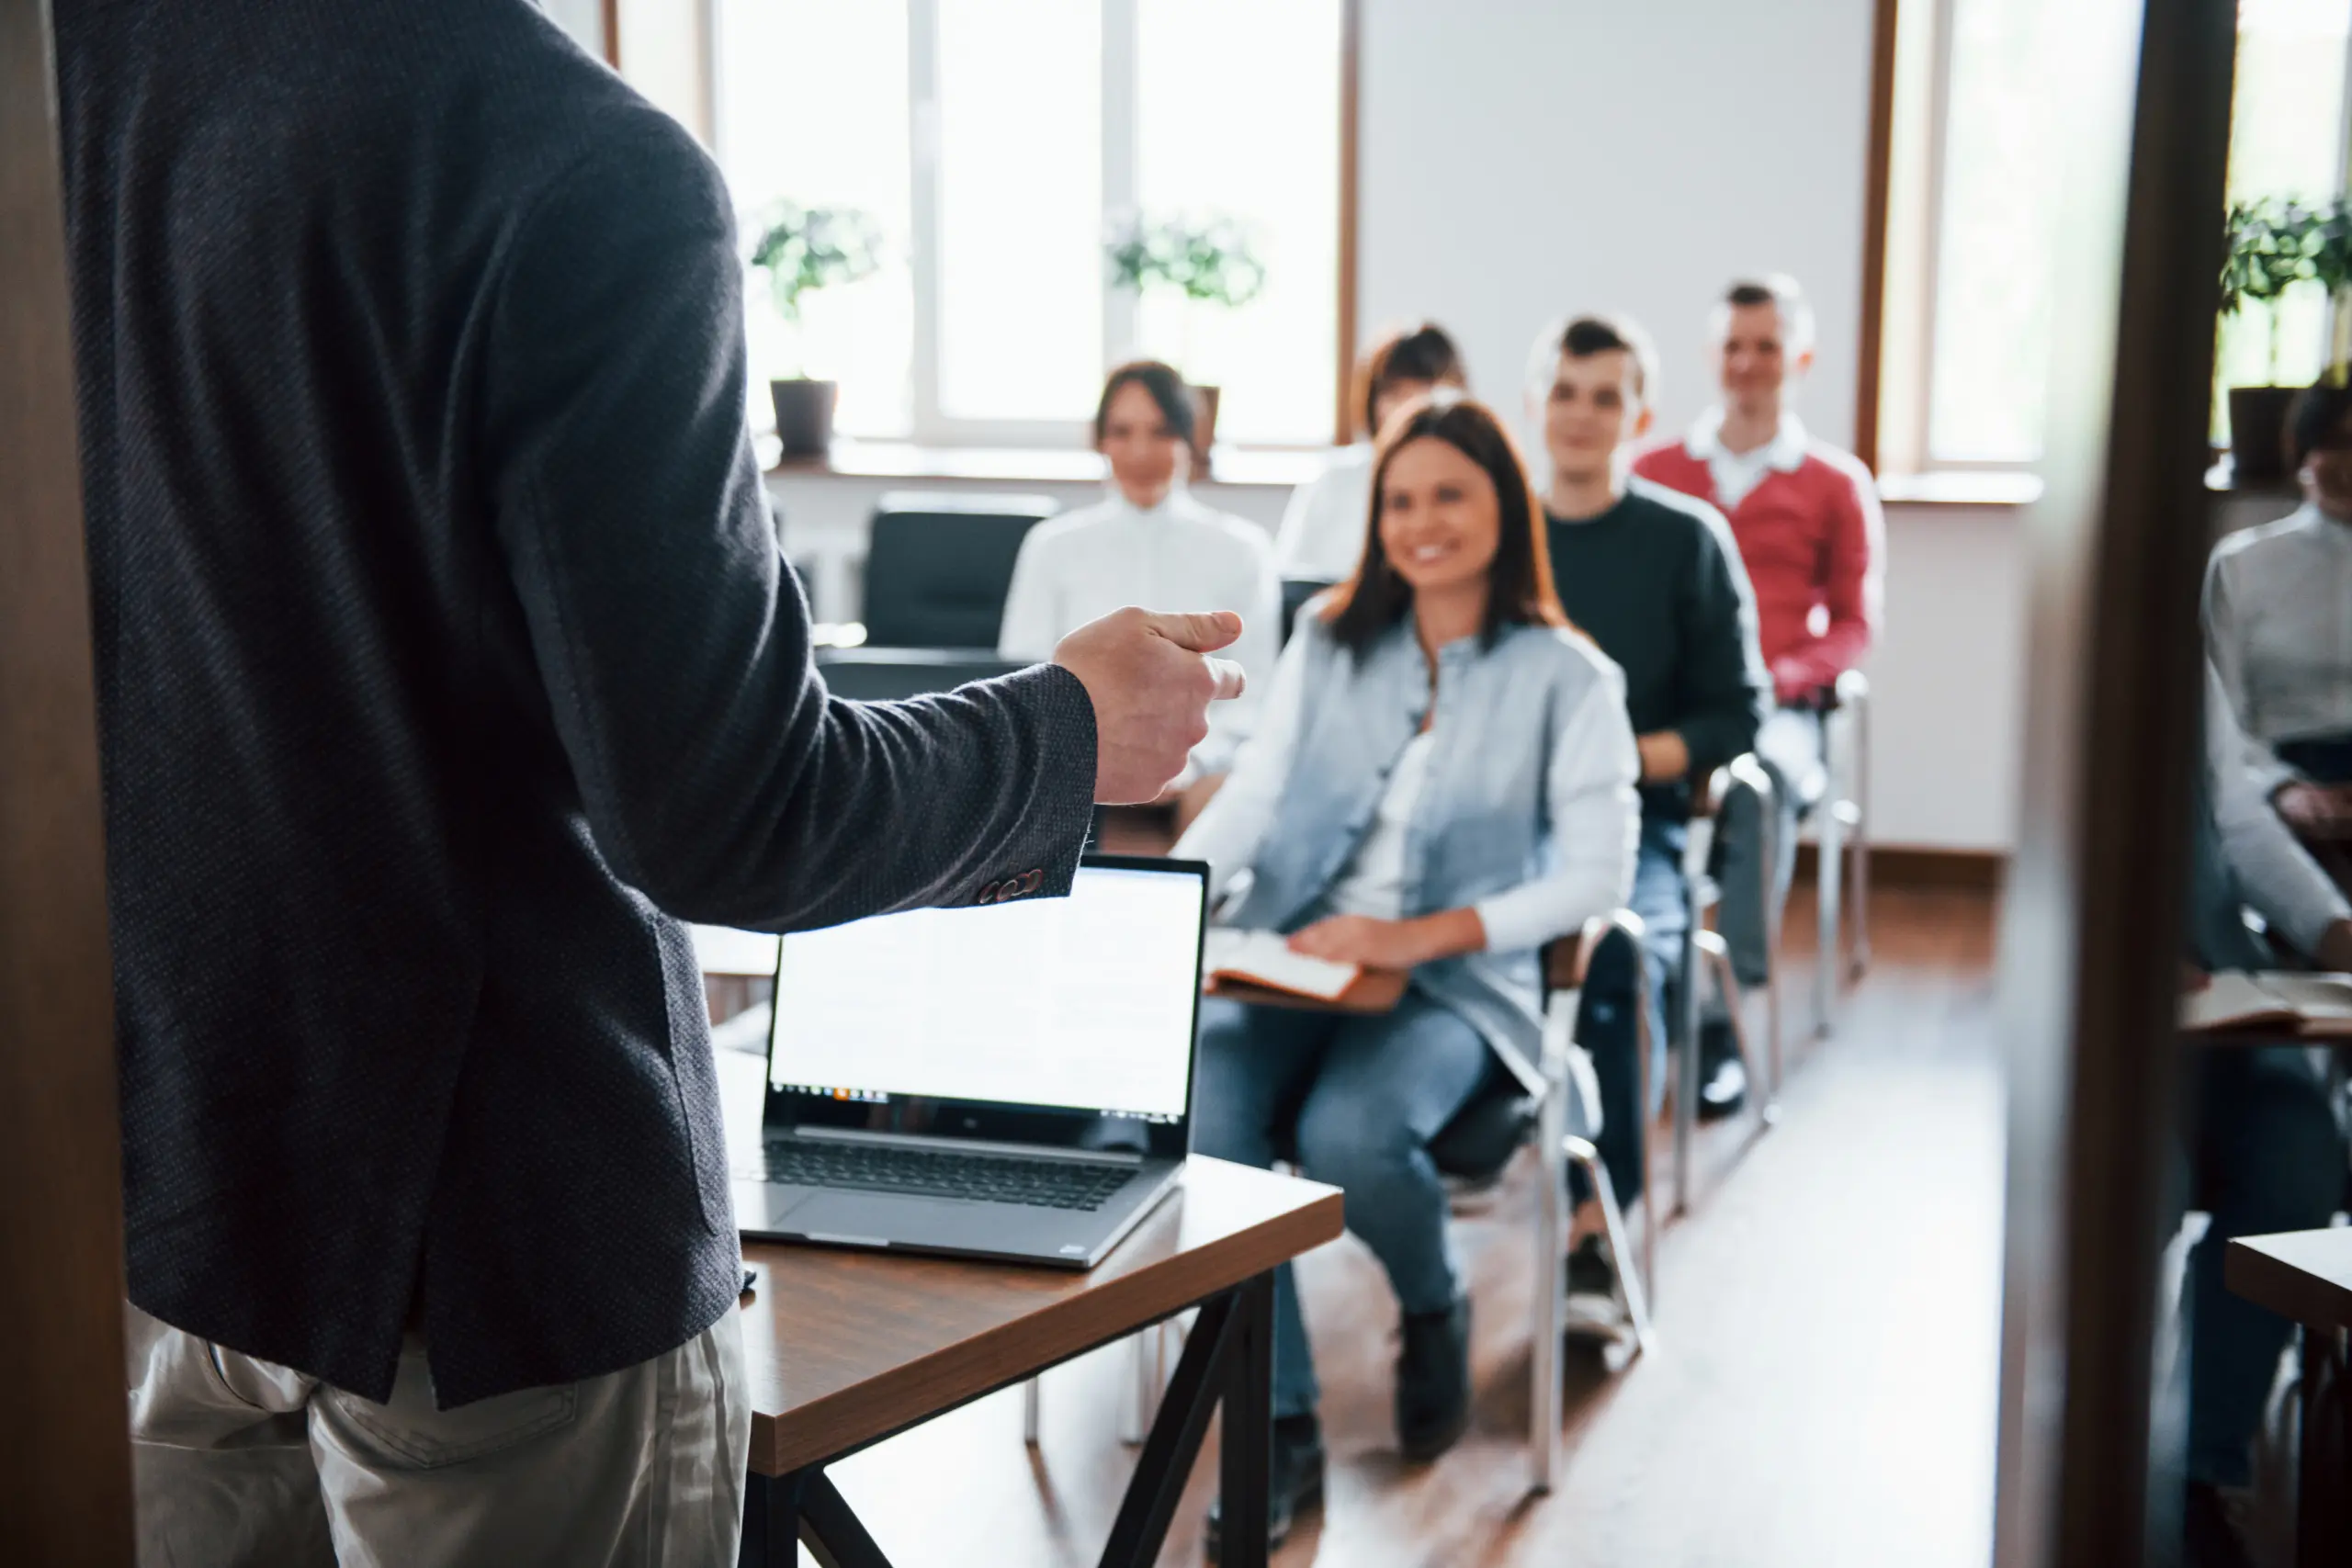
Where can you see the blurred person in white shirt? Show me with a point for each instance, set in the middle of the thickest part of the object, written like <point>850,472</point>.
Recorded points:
<point>1148,541</point>
<point>1321,537</point>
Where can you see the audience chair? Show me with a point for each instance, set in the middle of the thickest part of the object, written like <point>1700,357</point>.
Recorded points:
<point>1846,720</point>
<point>1703,953</point>
<point>887,674</point>
<point>1473,1148</point>
<point>1296,591</point>
<point>1487,1133</point>
<point>938,566</point>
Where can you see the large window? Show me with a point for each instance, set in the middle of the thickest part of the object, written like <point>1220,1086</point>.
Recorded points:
<point>996,143</point>
<point>1972,246</point>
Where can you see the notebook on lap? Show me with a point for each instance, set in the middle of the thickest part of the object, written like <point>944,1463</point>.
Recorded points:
<point>1010,1081</point>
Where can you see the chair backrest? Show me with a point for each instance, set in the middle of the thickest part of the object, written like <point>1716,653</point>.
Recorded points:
<point>1296,591</point>
<point>937,566</point>
<point>887,675</point>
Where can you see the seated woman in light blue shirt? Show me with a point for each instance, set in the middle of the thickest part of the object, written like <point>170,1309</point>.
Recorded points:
<point>1441,781</point>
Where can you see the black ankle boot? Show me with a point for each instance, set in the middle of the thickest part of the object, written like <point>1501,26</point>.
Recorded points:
<point>1293,1483</point>
<point>1433,1380</point>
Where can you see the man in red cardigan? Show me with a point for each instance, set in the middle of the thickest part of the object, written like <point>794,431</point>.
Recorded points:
<point>1806,518</point>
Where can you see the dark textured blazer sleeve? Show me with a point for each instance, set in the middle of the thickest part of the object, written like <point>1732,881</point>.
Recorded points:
<point>1723,685</point>
<point>717,774</point>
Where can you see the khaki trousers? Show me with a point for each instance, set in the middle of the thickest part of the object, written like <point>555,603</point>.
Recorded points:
<point>242,1462</point>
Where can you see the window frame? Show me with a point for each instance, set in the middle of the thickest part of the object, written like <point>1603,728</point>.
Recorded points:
<point>930,425</point>
<point>1895,401</point>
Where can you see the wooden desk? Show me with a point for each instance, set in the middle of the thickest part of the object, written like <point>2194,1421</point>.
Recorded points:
<point>845,1349</point>
<point>2307,1276</point>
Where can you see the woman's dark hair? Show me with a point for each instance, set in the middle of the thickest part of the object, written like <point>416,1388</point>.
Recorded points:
<point>1167,390</point>
<point>1422,353</point>
<point>1518,580</point>
<point>2316,419</point>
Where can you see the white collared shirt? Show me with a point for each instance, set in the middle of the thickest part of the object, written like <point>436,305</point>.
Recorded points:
<point>1736,473</point>
<point>2278,626</point>
<point>1322,533</point>
<point>1179,555</point>
<point>2274,873</point>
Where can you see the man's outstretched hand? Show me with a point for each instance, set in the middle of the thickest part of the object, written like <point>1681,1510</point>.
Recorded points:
<point>1151,688</point>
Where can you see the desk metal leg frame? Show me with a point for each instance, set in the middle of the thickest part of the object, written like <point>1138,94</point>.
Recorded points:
<point>1228,1360</point>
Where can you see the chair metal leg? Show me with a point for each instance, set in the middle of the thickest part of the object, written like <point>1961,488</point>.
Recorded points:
<point>1768,817</point>
<point>1828,883</point>
<point>1643,1046</point>
<point>1549,1295</point>
<point>1686,1047</point>
<point>1032,1410</point>
<point>1632,1300</point>
<point>1859,798</point>
<point>1718,956</point>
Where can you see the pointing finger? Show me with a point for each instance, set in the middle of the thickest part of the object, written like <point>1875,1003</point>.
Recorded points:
<point>1202,632</point>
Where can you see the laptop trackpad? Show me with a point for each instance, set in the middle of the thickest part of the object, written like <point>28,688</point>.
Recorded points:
<point>868,1219</point>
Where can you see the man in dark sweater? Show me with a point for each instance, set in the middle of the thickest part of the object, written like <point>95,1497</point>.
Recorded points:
<point>446,663</point>
<point>1654,578</point>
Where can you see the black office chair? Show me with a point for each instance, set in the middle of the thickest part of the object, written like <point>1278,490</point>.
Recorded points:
<point>1296,591</point>
<point>938,565</point>
<point>887,674</point>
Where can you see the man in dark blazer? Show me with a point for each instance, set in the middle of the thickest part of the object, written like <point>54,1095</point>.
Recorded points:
<point>446,661</point>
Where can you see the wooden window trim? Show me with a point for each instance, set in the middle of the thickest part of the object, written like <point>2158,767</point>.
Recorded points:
<point>1876,200</point>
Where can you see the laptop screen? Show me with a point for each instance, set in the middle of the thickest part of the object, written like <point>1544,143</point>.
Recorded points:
<point>1083,1004</point>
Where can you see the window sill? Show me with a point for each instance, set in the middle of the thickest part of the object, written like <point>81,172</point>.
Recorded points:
<point>1962,487</point>
<point>2222,479</point>
<point>1270,468</point>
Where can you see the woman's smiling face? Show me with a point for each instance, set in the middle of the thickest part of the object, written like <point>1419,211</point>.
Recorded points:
<point>1441,522</point>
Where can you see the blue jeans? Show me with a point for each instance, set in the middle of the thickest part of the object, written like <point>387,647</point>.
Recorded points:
<point>2267,1156</point>
<point>1605,1016</point>
<point>1360,1098</point>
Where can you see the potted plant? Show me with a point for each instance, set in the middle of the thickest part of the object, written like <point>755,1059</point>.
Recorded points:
<point>802,250</point>
<point>1209,261</point>
<point>2274,245</point>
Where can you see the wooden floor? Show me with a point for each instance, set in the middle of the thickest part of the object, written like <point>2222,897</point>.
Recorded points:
<point>1822,1391</point>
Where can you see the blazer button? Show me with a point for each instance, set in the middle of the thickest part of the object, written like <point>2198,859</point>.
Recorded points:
<point>987,894</point>
<point>1031,883</point>
<point>1010,891</point>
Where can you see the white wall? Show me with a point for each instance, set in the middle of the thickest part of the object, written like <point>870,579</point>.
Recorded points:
<point>1525,158</point>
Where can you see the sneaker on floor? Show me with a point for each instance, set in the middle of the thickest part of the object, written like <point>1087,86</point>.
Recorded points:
<point>1433,1380</point>
<point>1293,1483</point>
<point>1722,1076</point>
<point>1591,1283</point>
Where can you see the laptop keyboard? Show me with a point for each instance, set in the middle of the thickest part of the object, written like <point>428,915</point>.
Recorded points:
<point>991,1178</point>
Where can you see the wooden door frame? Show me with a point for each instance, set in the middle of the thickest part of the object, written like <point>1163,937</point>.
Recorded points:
<point>64,1447</point>
<point>2092,924</point>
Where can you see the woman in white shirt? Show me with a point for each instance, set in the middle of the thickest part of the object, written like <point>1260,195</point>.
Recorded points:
<point>1441,781</point>
<point>1149,542</point>
<point>1321,537</point>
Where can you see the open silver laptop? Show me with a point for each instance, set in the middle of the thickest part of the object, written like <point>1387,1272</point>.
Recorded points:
<point>1011,1081</point>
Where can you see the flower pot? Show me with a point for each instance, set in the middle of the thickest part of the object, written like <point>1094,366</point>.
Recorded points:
<point>804,416</point>
<point>1204,426</point>
<point>2259,434</point>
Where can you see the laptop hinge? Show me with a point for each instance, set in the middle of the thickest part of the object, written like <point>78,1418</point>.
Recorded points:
<point>933,1142</point>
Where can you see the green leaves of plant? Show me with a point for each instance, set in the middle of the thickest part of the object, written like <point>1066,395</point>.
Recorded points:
<point>2276,243</point>
<point>1213,258</point>
<point>807,248</point>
